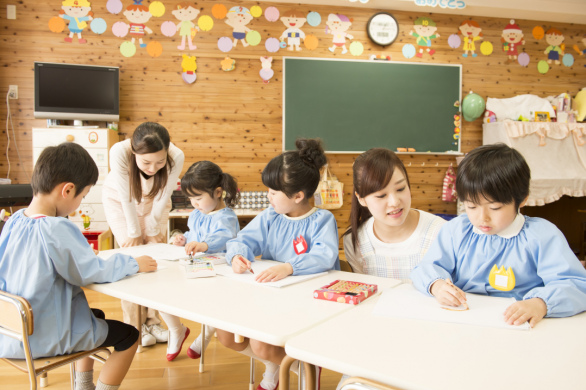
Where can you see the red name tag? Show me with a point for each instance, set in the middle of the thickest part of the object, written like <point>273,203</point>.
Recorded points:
<point>300,245</point>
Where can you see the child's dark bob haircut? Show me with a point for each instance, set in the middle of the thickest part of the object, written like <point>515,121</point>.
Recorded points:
<point>64,163</point>
<point>496,172</point>
<point>297,170</point>
<point>205,176</point>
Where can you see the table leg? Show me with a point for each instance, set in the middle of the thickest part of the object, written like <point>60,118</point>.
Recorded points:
<point>284,372</point>
<point>138,315</point>
<point>251,384</point>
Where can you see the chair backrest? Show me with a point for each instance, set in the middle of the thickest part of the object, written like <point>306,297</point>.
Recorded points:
<point>16,320</point>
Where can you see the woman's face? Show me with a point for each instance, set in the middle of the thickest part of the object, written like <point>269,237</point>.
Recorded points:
<point>151,163</point>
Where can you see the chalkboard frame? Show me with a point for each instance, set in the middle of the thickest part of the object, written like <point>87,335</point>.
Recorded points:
<point>288,144</point>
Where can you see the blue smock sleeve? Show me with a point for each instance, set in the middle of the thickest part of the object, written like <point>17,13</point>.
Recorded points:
<point>251,240</point>
<point>323,251</point>
<point>191,234</point>
<point>77,263</point>
<point>224,227</point>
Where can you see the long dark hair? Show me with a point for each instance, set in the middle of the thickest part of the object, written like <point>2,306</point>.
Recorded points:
<point>372,171</point>
<point>206,176</point>
<point>297,170</point>
<point>149,137</point>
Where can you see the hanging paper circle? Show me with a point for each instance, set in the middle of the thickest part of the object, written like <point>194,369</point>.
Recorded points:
<point>272,45</point>
<point>114,6</point>
<point>472,106</point>
<point>154,49</point>
<point>272,14</point>
<point>266,74</point>
<point>568,60</point>
<point>313,19</point>
<point>454,41</point>
<point>523,59</point>
<point>456,136</point>
<point>127,49</point>
<point>255,11</point>
<point>311,42</point>
<point>408,50</point>
<point>168,28</point>
<point>253,37</point>
<point>538,32</point>
<point>356,48</point>
<point>189,78</point>
<point>283,44</point>
<point>56,24</point>
<point>157,9</point>
<point>205,23</point>
<point>120,29</point>
<point>98,25</point>
<point>486,48</point>
<point>219,11</point>
<point>542,67</point>
<point>225,44</point>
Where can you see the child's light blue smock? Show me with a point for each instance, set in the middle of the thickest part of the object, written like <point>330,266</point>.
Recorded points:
<point>273,236</point>
<point>45,260</point>
<point>215,228</point>
<point>543,263</point>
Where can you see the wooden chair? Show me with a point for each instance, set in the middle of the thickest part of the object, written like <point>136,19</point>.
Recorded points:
<point>17,322</point>
<point>356,383</point>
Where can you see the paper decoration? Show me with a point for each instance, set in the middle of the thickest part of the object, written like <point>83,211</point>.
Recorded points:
<point>473,106</point>
<point>311,42</point>
<point>578,50</point>
<point>127,49</point>
<point>185,13</point>
<point>138,15</point>
<point>512,39</point>
<point>454,41</point>
<point>225,44</point>
<point>338,25</point>
<point>157,9</point>
<point>238,18</point>
<point>568,60</point>
<point>120,29</point>
<point>272,14</point>
<point>356,48</point>
<point>523,59</point>
<point>408,50</point>
<point>205,23</point>
<point>471,33</point>
<point>425,32</point>
<point>154,48</point>
<point>228,64</point>
<point>188,67</point>
<point>114,6</point>
<point>98,26</point>
<point>486,48</point>
<point>555,50</point>
<point>255,11</point>
<point>168,28</point>
<point>77,13</point>
<point>56,24</point>
<point>266,73</point>
<point>293,21</point>
<point>219,11</point>
<point>313,19</point>
<point>451,4</point>
<point>189,78</point>
<point>272,45</point>
<point>253,38</point>
<point>282,44</point>
<point>538,32</point>
<point>542,67</point>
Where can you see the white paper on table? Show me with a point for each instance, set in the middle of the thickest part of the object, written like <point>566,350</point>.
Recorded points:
<point>405,301</point>
<point>156,251</point>
<point>258,267</point>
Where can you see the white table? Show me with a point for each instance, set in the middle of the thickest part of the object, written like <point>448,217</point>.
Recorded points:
<point>425,355</point>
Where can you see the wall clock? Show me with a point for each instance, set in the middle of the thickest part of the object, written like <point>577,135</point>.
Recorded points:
<point>382,28</point>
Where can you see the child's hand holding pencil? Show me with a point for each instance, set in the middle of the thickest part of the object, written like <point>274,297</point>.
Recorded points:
<point>448,294</point>
<point>241,265</point>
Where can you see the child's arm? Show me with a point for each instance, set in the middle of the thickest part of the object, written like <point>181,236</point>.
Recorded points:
<point>447,293</point>
<point>251,240</point>
<point>223,228</point>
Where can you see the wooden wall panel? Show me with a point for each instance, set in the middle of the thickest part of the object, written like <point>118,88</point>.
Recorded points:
<point>233,118</point>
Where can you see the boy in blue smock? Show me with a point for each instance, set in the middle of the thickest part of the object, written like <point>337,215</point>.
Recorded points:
<point>494,250</point>
<point>45,259</point>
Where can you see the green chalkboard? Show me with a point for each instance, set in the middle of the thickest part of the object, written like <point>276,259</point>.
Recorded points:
<point>355,105</point>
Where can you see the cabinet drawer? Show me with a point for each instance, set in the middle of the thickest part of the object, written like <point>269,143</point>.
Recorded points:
<point>88,138</point>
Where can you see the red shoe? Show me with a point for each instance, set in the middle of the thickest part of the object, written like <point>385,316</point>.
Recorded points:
<point>420,55</point>
<point>259,387</point>
<point>81,40</point>
<point>431,52</point>
<point>172,356</point>
<point>67,39</point>
<point>192,354</point>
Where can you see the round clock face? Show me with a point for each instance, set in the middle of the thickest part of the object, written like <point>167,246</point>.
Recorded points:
<point>382,29</point>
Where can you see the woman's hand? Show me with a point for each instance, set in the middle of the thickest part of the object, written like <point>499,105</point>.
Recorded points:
<point>194,247</point>
<point>132,242</point>
<point>275,273</point>
<point>240,264</point>
<point>155,239</point>
<point>179,240</point>
<point>146,264</point>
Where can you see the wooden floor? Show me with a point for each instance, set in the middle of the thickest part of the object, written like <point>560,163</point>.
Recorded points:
<point>224,369</point>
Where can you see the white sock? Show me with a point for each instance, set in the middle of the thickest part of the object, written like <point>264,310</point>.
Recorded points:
<point>84,380</point>
<point>270,378</point>
<point>196,345</point>
<point>176,336</point>
<point>102,386</point>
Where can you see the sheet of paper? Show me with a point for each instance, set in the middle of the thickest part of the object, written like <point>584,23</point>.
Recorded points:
<point>405,302</point>
<point>258,267</point>
<point>156,251</point>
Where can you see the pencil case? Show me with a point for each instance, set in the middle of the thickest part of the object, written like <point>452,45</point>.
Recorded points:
<point>345,291</point>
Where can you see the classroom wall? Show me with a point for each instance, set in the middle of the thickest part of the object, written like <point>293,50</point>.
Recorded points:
<point>233,118</point>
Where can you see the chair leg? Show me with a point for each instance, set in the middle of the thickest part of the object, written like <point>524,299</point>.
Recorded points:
<point>284,372</point>
<point>203,341</point>
<point>44,380</point>
<point>72,375</point>
<point>251,384</point>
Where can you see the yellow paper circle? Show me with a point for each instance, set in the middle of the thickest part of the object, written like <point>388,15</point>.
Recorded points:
<point>157,9</point>
<point>542,67</point>
<point>127,49</point>
<point>255,11</point>
<point>154,49</point>
<point>356,48</point>
<point>56,24</point>
<point>486,48</point>
<point>205,23</point>
<point>219,11</point>
<point>253,38</point>
<point>311,42</point>
<point>538,32</point>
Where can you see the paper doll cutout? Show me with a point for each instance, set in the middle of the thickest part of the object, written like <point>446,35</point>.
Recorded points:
<point>138,15</point>
<point>228,64</point>
<point>86,211</point>
<point>555,50</point>
<point>338,25</point>
<point>425,32</point>
<point>471,32</point>
<point>293,21</point>
<point>186,12</point>
<point>77,13</point>
<point>266,73</point>
<point>238,18</point>
<point>577,48</point>
<point>512,38</point>
<point>188,67</point>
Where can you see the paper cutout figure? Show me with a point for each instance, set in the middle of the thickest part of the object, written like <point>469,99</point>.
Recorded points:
<point>454,41</point>
<point>356,48</point>
<point>114,6</point>
<point>266,73</point>
<point>138,14</point>
<point>253,38</point>
<point>542,67</point>
<point>538,32</point>
<point>205,23</point>
<point>154,48</point>
<point>98,26</point>
<point>293,33</point>
<point>120,29</point>
<point>56,24</point>
<point>188,67</point>
<point>157,9</point>
<point>238,18</point>
<point>313,19</point>
<point>577,48</point>
<point>225,44</point>
<point>272,45</point>
<point>512,38</point>
<point>127,49</point>
<point>311,42</point>
<point>486,48</point>
<point>338,25</point>
<point>168,28</point>
<point>425,32</point>
<point>255,11</point>
<point>272,14</point>
<point>471,32</point>
<point>568,60</point>
<point>408,51</point>
<point>523,59</point>
<point>77,12</point>
<point>555,50</point>
<point>86,211</point>
<point>228,64</point>
<point>186,12</point>
<point>219,11</point>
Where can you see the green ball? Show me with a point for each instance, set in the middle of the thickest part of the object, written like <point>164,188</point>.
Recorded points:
<point>473,107</point>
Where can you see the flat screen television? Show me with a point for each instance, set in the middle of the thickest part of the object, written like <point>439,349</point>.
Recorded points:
<point>83,92</point>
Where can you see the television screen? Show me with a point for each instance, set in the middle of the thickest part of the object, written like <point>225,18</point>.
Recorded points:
<point>85,92</point>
